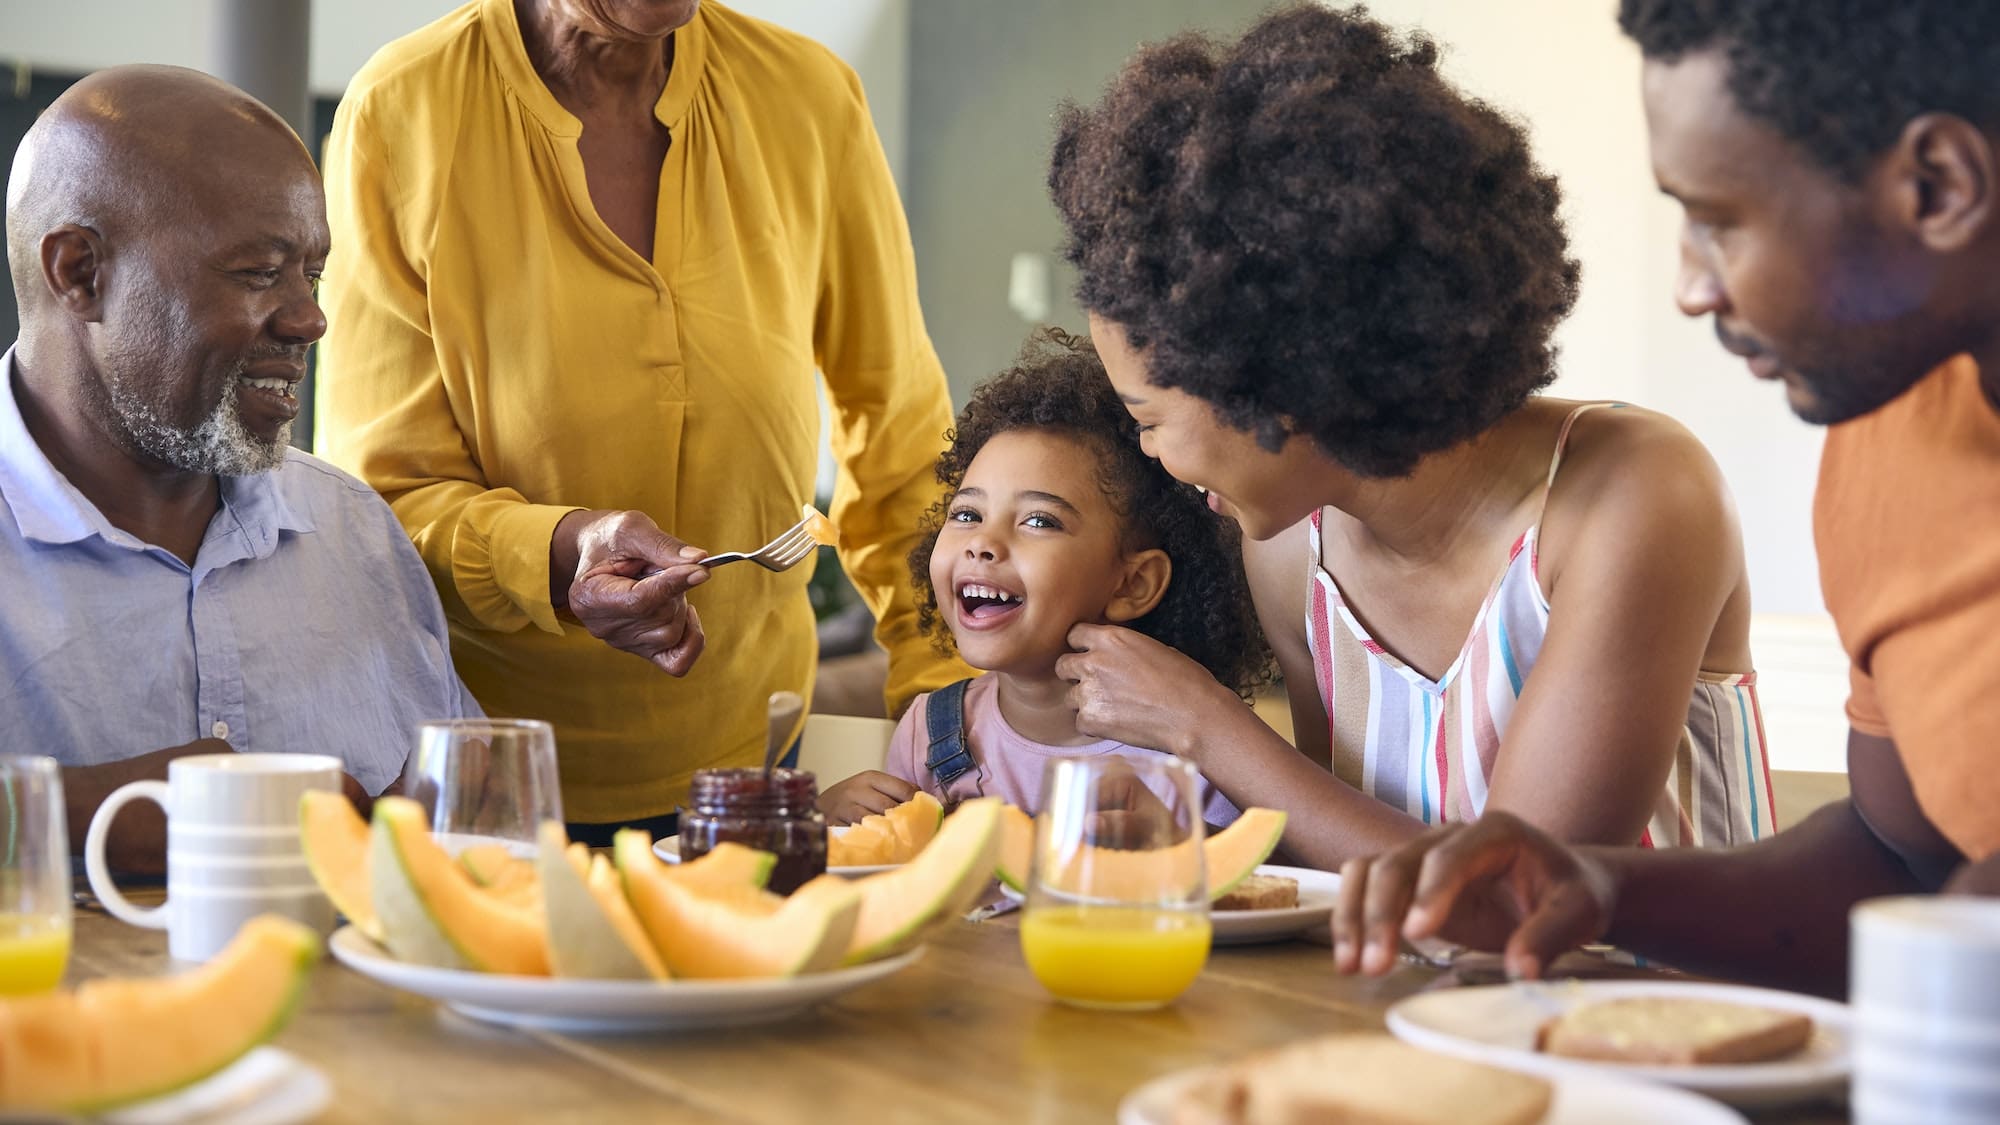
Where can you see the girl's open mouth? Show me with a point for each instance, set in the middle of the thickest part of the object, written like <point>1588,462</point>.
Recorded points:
<point>980,604</point>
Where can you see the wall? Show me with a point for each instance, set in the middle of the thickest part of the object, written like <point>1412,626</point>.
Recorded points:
<point>985,79</point>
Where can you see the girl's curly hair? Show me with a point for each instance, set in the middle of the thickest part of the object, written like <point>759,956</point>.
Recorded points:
<point>1058,386</point>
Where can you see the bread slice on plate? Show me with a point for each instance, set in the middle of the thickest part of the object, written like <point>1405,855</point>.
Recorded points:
<point>1362,1079</point>
<point>1674,1030</point>
<point>1260,892</point>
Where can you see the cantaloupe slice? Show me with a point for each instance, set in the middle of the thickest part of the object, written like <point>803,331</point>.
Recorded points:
<point>1017,847</point>
<point>335,841</point>
<point>725,867</point>
<point>939,884</point>
<point>430,910</point>
<point>888,838</point>
<point>861,846</point>
<point>705,931</point>
<point>506,876</point>
<point>592,931</point>
<point>116,1041</point>
<point>1230,856</point>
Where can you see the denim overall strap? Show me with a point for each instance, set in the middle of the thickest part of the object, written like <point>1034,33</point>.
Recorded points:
<point>949,757</point>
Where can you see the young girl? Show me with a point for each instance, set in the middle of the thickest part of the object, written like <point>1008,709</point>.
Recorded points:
<point>1052,516</point>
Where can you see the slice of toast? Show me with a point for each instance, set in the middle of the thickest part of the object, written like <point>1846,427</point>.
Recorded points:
<point>1674,1030</point>
<point>1260,892</point>
<point>1362,1079</point>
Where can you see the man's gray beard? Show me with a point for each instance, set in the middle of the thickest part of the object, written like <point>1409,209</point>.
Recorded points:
<point>221,444</point>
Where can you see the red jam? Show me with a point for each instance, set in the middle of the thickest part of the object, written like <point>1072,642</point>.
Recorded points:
<point>779,817</point>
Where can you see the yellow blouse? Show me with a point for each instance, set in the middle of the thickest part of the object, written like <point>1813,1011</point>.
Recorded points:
<point>497,357</point>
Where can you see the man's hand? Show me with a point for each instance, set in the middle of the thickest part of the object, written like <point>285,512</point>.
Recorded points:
<point>1495,884</point>
<point>864,794</point>
<point>628,585</point>
<point>1131,688</point>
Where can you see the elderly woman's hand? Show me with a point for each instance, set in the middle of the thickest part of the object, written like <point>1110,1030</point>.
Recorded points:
<point>630,585</point>
<point>1129,687</point>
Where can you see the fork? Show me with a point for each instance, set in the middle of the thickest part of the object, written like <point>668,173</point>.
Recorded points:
<point>788,550</point>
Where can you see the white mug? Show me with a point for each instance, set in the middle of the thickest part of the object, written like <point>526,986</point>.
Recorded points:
<point>233,848</point>
<point>1924,988</point>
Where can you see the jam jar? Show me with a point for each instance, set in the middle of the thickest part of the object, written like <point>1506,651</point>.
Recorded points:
<point>778,816</point>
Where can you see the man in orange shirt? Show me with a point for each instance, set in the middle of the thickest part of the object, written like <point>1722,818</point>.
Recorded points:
<point>1838,163</point>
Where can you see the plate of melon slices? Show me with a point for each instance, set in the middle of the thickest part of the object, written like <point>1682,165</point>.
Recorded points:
<point>567,938</point>
<point>610,1005</point>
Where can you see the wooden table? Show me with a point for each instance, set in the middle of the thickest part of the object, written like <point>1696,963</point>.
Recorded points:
<point>965,1035</point>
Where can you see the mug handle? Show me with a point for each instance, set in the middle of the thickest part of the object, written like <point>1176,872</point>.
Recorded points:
<point>153,918</point>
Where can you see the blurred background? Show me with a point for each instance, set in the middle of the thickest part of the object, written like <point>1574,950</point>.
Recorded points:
<point>962,93</point>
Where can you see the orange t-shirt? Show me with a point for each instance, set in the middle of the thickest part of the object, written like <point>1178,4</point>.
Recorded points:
<point>1907,522</point>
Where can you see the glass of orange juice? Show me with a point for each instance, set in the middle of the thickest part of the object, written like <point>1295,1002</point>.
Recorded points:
<point>1117,911</point>
<point>34,875</point>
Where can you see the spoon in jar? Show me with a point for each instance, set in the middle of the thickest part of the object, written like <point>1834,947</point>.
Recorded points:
<point>785,709</point>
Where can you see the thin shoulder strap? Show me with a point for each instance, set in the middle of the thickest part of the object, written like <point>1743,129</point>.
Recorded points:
<point>1562,444</point>
<point>949,756</point>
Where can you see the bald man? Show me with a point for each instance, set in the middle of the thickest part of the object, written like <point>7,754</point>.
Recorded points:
<point>178,579</point>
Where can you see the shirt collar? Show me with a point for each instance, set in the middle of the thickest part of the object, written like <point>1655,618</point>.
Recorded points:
<point>46,506</point>
<point>502,28</point>
<point>49,509</point>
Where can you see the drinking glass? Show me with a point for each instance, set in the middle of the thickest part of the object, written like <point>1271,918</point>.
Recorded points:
<point>485,781</point>
<point>1117,911</point>
<point>34,875</point>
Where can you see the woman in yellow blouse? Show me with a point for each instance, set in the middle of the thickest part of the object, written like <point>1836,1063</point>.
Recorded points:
<point>589,255</point>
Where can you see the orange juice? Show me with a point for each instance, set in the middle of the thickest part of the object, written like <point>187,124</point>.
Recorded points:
<point>1114,956</point>
<point>33,950</point>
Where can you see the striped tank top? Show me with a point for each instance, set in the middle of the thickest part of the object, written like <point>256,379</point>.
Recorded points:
<point>1429,748</point>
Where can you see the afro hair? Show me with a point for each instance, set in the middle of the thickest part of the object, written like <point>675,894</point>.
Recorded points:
<point>1314,232</point>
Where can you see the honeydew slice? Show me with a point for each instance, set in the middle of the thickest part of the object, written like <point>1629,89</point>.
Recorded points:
<point>432,913</point>
<point>592,931</point>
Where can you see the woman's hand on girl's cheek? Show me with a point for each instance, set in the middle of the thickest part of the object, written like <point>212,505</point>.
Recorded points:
<point>1129,687</point>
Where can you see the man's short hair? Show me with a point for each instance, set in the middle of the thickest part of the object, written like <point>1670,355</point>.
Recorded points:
<point>1838,78</point>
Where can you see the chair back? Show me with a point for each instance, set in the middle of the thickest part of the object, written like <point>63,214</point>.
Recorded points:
<point>836,747</point>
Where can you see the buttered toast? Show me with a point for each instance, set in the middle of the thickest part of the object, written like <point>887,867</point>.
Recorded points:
<point>1674,1030</point>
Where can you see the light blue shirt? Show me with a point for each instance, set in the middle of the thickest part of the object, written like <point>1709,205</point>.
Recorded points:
<point>306,624</point>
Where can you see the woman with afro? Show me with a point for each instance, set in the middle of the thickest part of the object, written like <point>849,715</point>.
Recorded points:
<point>1323,281</point>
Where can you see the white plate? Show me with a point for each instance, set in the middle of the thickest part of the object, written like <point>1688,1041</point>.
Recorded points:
<point>1580,1099</point>
<point>669,850</point>
<point>265,1087</point>
<point>1318,890</point>
<point>1497,1023</point>
<point>608,1005</point>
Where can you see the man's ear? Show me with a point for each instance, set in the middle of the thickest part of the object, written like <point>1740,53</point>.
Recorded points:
<point>73,267</point>
<point>1147,574</point>
<point>1946,168</point>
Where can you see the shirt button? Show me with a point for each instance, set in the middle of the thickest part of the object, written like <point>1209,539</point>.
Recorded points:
<point>220,729</point>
